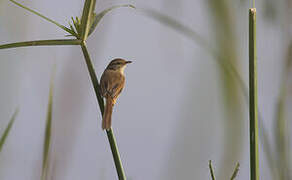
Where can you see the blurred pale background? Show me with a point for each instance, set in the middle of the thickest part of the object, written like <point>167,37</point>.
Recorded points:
<point>172,116</point>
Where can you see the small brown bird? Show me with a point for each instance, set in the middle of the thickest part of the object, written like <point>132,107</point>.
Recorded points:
<point>112,83</point>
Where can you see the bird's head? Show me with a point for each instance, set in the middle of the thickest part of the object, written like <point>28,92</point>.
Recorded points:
<point>118,65</point>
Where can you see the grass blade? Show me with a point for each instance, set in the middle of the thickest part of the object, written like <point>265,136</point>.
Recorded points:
<point>7,130</point>
<point>48,129</point>
<point>42,16</point>
<point>100,15</point>
<point>87,15</point>
<point>235,172</point>
<point>52,42</point>
<point>254,157</point>
<point>211,170</point>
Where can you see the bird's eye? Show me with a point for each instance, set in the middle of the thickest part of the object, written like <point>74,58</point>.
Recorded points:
<point>117,63</point>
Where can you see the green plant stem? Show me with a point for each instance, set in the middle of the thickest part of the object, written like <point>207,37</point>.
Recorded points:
<point>116,154</point>
<point>48,130</point>
<point>42,43</point>
<point>211,170</point>
<point>7,130</point>
<point>88,9</point>
<point>254,161</point>
<point>235,172</point>
<point>93,77</point>
<point>110,134</point>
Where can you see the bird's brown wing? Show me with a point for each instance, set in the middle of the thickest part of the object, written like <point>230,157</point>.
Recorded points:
<point>118,86</point>
<point>103,84</point>
<point>111,83</point>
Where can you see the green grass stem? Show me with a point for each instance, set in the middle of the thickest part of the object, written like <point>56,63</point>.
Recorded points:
<point>52,42</point>
<point>87,17</point>
<point>235,172</point>
<point>93,76</point>
<point>254,157</point>
<point>116,154</point>
<point>48,131</point>
<point>110,134</point>
<point>7,130</point>
<point>211,170</point>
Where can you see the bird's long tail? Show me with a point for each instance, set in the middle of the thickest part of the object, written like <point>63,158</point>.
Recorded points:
<point>107,116</point>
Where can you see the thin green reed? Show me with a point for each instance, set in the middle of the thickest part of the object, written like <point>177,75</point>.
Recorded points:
<point>235,172</point>
<point>80,29</point>
<point>110,133</point>
<point>254,155</point>
<point>48,131</point>
<point>233,176</point>
<point>211,170</point>
<point>7,129</point>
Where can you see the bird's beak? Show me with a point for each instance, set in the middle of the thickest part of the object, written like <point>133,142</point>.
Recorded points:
<point>128,62</point>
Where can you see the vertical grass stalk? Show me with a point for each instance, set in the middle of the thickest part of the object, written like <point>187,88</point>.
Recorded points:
<point>254,159</point>
<point>116,154</point>
<point>93,77</point>
<point>110,134</point>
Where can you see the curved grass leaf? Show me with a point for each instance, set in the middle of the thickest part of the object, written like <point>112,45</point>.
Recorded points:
<point>42,16</point>
<point>177,26</point>
<point>97,17</point>
<point>7,130</point>
<point>198,39</point>
<point>48,129</point>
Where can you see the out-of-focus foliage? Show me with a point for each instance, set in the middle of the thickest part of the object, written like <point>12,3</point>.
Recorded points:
<point>270,12</point>
<point>226,43</point>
